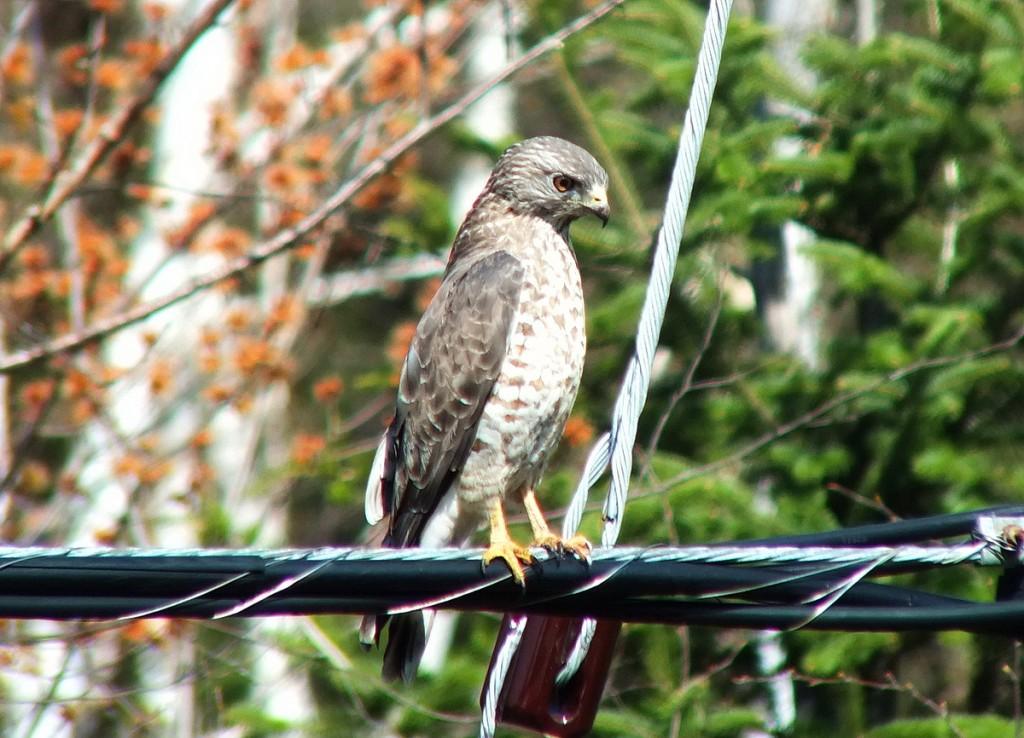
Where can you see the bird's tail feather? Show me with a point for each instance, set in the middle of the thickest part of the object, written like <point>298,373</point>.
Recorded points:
<point>370,628</point>
<point>407,633</point>
<point>407,637</point>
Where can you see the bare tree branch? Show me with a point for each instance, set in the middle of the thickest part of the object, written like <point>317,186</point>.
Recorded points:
<point>340,286</point>
<point>68,182</point>
<point>289,237</point>
<point>891,684</point>
<point>832,404</point>
<point>687,383</point>
<point>67,215</point>
<point>59,151</point>
<point>873,503</point>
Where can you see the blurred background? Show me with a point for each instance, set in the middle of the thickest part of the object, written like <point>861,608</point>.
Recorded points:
<point>841,345</point>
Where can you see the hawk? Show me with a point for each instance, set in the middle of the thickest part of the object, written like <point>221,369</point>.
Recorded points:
<point>490,376</point>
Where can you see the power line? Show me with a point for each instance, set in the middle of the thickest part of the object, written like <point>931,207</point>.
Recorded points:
<point>772,583</point>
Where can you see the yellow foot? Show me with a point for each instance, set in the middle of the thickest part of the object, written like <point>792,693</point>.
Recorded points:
<point>512,554</point>
<point>577,546</point>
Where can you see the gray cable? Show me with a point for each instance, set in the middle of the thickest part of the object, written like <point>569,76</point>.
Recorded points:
<point>984,552</point>
<point>507,649</point>
<point>633,394</point>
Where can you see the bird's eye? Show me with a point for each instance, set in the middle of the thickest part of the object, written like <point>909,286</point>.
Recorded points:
<point>563,183</point>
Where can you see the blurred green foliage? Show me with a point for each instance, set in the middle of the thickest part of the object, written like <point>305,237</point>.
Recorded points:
<point>878,137</point>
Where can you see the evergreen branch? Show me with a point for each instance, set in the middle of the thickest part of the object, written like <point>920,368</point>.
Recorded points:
<point>289,237</point>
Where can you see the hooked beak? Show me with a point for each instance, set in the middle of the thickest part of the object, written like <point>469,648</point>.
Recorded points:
<point>597,203</point>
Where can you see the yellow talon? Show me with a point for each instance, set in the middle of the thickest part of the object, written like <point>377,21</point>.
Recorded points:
<point>578,546</point>
<point>504,548</point>
<point>512,554</point>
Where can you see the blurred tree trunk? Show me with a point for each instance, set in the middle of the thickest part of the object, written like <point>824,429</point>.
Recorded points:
<point>787,293</point>
<point>162,516</point>
<point>261,440</point>
<point>787,287</point>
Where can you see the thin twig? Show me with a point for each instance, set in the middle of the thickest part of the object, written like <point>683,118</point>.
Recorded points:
<point>289,237</point>
<point>890,684</point>
<point>61,151</point>
<point>718,382</point>
<point>49,699</point>
<point>57,153</point>
<point>111,134</point>
<point>337,658</point>
<point>941,709</point>
<point>255,162</point>
<point>687,383</point>
<point>872,503</point>
<point>689,682</point>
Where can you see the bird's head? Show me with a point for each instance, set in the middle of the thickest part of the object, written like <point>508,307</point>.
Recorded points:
<point>552,179</point>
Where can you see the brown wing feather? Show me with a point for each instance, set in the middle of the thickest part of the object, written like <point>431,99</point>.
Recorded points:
<point>453,362</point>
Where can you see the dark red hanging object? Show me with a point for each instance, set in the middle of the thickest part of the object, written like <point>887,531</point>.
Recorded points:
<point>530,697</point>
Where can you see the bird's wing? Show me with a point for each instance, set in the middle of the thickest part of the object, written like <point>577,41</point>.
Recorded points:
<point>449,372</point>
